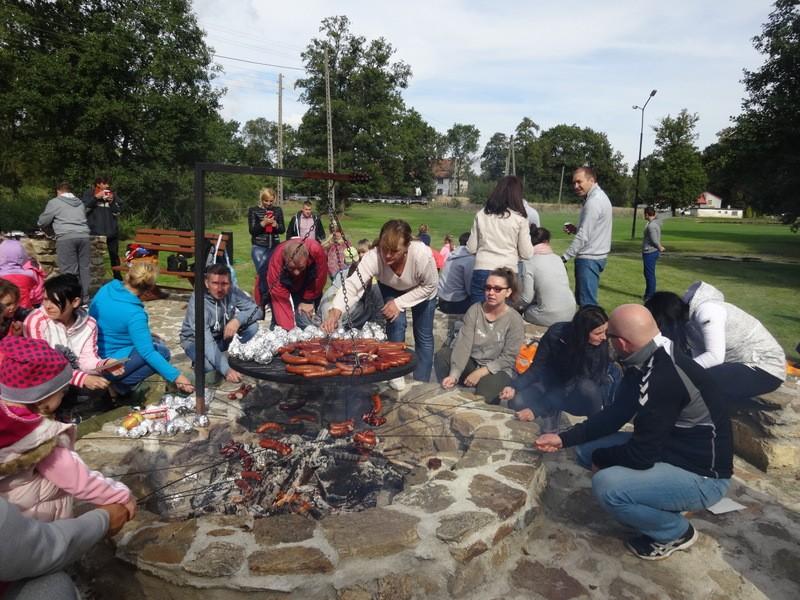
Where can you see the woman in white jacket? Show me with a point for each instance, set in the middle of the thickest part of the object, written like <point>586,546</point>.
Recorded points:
<point>500,236</point>
<point>743,357</point>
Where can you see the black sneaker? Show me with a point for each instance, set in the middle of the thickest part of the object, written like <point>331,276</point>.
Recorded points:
<point>647,548</point>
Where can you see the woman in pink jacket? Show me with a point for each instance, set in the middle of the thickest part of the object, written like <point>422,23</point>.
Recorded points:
<point>40,472</point>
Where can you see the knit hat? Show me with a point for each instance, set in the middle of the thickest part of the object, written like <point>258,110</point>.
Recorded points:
<point>30,370</point>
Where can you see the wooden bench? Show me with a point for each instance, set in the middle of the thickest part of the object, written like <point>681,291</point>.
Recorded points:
<point>173,241</point>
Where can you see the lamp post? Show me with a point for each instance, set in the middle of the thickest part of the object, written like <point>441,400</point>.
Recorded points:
<point>639,163</point>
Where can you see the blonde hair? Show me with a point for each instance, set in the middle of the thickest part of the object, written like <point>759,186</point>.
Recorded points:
<point>394,234</point>
<point>142,275</point>
<point>267,194</point>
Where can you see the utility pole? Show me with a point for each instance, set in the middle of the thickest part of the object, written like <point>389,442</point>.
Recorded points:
<point>513,158</point>
<point>331,195</point>
<point>561,183</point>
<point>280,136</point>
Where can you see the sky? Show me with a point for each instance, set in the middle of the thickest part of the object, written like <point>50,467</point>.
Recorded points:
<point>491,63</point>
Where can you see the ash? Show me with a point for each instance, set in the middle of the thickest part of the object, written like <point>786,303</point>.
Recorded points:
<point>313,476</point>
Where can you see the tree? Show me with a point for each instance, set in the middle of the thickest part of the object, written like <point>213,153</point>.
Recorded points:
<point>564,148</point>
<point>493,159</point>
<point>368,112</point>
<point>462,143</point>
<point>259,138</point>
<point>677,175</point>
<point>762,162</point>
<point>107,86</point>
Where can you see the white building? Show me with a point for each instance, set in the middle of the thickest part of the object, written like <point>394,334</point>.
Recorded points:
<point>709,205</point>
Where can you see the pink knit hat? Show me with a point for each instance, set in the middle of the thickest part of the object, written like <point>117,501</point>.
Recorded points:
<point>30,370</point>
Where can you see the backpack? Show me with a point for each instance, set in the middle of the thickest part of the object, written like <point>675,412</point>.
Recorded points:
<point>525,356</point>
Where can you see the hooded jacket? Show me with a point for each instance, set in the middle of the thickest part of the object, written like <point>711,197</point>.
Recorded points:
<point>123,326</point>
<point>721,332</point>
<point>80,338</point>
<point>217,314</point>
<point>18,268</point>
<point>67,215</point>
<point>39,471</point>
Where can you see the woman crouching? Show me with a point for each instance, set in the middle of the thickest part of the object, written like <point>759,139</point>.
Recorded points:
<point>486,347</point>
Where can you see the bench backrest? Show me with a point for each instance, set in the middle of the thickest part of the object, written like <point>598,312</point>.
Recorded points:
<point>175,241</point>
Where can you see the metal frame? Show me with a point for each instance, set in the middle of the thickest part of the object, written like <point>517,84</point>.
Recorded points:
<point>200,170</point>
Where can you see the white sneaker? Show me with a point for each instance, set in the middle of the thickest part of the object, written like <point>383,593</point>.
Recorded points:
<point>399,383</point>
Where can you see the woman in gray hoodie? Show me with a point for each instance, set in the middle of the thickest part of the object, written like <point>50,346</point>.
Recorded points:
<point>66,214</point>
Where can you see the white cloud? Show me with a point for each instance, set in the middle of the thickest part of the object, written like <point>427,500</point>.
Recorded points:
<point>492,63</point>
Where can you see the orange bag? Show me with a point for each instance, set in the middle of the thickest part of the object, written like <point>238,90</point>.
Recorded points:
<point>525,357</point>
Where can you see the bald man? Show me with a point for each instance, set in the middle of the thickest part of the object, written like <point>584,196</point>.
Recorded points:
<point>680,454</point>
<point>296,276</point>
<point>592,241</point>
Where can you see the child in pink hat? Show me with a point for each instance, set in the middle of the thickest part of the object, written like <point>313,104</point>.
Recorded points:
<point>40,472</point>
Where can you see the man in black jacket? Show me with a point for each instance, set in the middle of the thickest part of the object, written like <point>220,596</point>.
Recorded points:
<point>680,454</point>
<point>303,221</point>
<point>103,207</point>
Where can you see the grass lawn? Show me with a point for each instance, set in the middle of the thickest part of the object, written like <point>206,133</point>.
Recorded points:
<point>766,284</point>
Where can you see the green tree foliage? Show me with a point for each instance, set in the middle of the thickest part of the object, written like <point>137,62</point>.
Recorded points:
<point>758,159</point>
<point>259,141</point>
<point>373,130</point>
<point>677,176</point>
<point>571,146</point>
<point>462,144</point>
<point>107,86</point>
<point>493,159</point>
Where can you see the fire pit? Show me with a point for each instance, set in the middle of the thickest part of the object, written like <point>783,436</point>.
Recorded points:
<point>435,505</point>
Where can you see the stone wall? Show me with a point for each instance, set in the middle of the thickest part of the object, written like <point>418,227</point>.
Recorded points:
<point>44,250</point>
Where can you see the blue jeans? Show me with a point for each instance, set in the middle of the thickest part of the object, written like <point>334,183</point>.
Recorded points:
<point>261,256</point>
<point>649,261</point>
<point>476,291</point>
<point>136,370</point>
<point>422,314</point>
<point>245,335</point>
<point>587,280</point>
<point>651,500</point>
<point>581,396</point>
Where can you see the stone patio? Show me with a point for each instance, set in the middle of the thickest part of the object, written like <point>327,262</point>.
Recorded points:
<point>496,520</point>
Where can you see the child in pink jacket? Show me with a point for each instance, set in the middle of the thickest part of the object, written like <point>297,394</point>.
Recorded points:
<point>40,472</point>
<point>61,321</point>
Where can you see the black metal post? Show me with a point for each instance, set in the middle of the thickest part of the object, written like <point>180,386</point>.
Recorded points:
<point>199,289</point>
<point>639,165</point>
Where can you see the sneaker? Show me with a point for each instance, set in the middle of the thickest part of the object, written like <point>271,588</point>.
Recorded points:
<point>399,383</point>
<point>647,548</point>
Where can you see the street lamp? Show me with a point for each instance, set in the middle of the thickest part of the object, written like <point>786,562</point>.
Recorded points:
<point>639,163</point>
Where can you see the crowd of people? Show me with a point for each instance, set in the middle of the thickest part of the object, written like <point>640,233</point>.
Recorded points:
<point>671,366</point>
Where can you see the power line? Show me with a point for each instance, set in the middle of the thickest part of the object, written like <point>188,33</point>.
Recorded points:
<point>255,62</point>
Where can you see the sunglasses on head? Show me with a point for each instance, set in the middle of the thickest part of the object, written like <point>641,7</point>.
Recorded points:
<point>494,288</point>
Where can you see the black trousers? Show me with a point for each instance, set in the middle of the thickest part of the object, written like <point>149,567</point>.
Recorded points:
<point>113,255</point>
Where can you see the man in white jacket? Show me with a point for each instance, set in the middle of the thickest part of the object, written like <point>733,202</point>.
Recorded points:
<point>592,241</point>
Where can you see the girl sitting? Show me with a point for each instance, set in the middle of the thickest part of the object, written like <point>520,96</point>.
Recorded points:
<point>572,370</point>
<point>484,352</point>
<point>40,472</point>
<point>61,321</point>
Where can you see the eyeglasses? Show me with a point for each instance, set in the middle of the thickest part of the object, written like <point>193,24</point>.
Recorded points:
<point>494,288</point>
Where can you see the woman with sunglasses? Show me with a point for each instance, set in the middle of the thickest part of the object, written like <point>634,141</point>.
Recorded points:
<point>572,371</point>
<point>486,347</point>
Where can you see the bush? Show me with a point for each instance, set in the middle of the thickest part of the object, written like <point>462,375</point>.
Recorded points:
<point>23,212</point>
